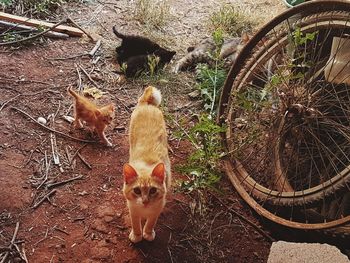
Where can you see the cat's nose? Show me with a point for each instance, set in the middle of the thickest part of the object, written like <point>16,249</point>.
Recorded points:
<point>145,201</point>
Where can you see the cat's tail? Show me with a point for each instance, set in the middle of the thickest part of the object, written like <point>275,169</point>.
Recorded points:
<point>118,34</point>
<point>151,95</point>
<point>72,92</point>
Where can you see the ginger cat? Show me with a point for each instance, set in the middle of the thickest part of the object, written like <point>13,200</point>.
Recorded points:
<point>97,118</point>
<point>147,176</point>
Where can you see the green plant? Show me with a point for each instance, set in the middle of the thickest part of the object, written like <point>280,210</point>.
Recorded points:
<point>202,165</point>
<point>153,13</point>
<point>211,78</point>
<point>5,2</point>
<point>232,20</point>
<point>210,84</point>
<point>34,7</point>
<point>123,68</point>
<point>152,62</point>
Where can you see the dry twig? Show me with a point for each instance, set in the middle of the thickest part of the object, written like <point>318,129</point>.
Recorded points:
<point>52,130</point>
<point>35,36</point>
<point>65,181</point>
<point>12,243</point>
<point>70,20</point>
<point>257,228</point>
<point>6,102</point>
<point>36,205</point>
<point>84,161</point>
<point>88,76</point>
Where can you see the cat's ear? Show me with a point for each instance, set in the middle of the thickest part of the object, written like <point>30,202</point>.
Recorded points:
<point>159,172</point>
<point>129,173</point>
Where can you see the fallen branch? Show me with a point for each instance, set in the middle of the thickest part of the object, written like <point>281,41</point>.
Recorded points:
<point>39,23</point>
<point>29,29</point>
<point>71,57</point>
<point>34,36</point>
<point>80,87</point>
<point>75,154</point>
<point>12,243</point>
<point>257,228</point>
<point>84,161</point>
<point>96,47</point>
<point>49,129</point>
<point>60,230</point>
<point>69,20</point>
<point>89,77</point>
<point>64,182</point>
<point>44,198</point>
<point>6,102</point>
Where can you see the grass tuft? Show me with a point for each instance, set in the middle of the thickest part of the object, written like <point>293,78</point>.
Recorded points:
<point>152,13</point>
<point>36,8</point>
<point>232,20</point>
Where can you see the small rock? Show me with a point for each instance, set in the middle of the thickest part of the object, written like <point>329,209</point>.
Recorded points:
<point>118,214</point>
<point>83,193</point>
<point>288,252</point>
<point>84,206</point>
<point>108,219</point>
<point>105,211</point>
<point>42,120</point>
<point>99,226</point>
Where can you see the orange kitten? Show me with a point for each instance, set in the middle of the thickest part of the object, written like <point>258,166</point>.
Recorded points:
<point>97,118</point>
<point>147,175</point>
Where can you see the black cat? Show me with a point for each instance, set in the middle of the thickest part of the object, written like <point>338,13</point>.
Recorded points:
<point>135,52</point>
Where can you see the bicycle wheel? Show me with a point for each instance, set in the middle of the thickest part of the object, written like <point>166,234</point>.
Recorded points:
<point>286,105</point>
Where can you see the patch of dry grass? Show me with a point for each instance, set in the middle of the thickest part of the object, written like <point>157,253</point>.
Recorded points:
<point>152,13</point>
<point>233,20</point>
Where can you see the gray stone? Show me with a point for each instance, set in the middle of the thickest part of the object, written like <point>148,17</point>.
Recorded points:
<point>287,252</point>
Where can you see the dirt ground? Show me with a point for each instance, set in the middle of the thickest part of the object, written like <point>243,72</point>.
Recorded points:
<point>85,220</point>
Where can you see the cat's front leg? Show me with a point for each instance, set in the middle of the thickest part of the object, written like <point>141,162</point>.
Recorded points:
<point>77,123</point>
<point>136,231</point>
<point>103,137</point>
<point>148,230</point>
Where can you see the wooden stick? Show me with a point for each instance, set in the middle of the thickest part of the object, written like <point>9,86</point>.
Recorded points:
<point>12,242</point>
<point>89,77</point>
<point>30,29</point>
<point>75,154</point>
<point>44,198</point>
<point>4,104</point>
<point>70,20</point>
<point>71,57</point>
<point>52,130</point>
<point>84,161</point>
<point>96,47</point>
<point>65,181</point>
<point>72,31</point>
<point>34,36</point>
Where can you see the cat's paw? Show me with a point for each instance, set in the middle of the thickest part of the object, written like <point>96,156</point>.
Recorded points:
<point>149,236</point>
<point>135,238</point>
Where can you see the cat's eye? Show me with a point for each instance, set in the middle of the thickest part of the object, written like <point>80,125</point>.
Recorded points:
<point>153,190</point>
<point>137,191</point>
